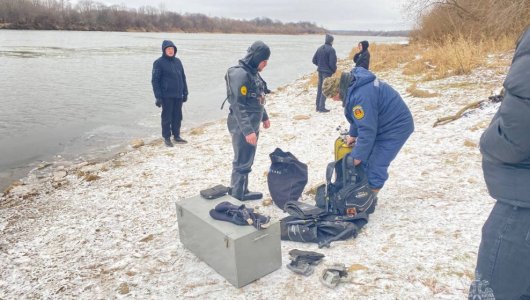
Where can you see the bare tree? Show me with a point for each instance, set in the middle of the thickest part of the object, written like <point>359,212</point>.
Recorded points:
<point>92,15</point>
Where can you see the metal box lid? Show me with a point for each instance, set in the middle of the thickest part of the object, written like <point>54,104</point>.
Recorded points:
<point>201,207</point>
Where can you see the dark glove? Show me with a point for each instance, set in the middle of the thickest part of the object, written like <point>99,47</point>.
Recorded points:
<point>158,102</point>
<point>185,98</point>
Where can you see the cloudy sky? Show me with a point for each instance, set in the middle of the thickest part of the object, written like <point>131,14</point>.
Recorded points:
<point>331,14</point>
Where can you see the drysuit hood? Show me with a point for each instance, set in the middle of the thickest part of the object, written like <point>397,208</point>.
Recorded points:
<point>256,53</point>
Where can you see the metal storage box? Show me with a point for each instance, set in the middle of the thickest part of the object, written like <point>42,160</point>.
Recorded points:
<point>241,254</point>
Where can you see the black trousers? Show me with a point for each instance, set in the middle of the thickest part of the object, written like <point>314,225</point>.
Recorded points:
<point>171,117</point>
<point>321,99</point>
<point>503,261</point>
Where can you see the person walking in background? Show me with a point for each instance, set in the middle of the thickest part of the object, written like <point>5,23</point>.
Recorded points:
<point>325,59</point>
<point>362,58</point>
<point>171,91</point>
<point>246,95</point>
<point>380,121</point>
<point>503,260</point>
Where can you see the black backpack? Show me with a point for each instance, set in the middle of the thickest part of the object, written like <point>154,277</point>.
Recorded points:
<point>350,194</point>
<point>287,177</point>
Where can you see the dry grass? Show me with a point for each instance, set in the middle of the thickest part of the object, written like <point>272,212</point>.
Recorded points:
<point>414,91</point>
<point>313,80</point>
<point>388,56</point>
<point>197,130</point>
<point>458,85</point>
<point>429,61</point>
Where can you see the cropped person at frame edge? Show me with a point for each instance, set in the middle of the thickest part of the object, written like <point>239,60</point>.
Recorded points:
<point>503,261</point>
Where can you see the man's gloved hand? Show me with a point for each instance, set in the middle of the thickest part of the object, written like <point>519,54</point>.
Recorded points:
<point>158,102</point>
<point>185,98</point>
<point>351,159</point>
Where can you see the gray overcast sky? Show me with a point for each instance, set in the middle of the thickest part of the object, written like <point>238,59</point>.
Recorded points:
<point>331,14</point>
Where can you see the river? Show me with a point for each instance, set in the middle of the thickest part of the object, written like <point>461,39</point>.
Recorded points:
<point>70,95</point>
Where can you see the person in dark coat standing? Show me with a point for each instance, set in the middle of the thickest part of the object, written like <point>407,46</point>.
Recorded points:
<point>503,263</point>
<point>362,58</point>
<point>325,59</point>
<point>171,91</point>
<point>246,95</point>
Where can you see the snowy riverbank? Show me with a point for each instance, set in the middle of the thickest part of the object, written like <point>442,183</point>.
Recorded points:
<point>109,229</point>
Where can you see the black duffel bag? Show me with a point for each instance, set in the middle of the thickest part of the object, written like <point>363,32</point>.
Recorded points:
<point>287,177</point>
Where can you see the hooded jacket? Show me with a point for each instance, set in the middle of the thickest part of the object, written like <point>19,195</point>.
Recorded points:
<point>325,57</point>
<point>376,112</point>
<point>245,88</point>
<point>168,77</point>
<point>362,59</point>
<point>505,145</point>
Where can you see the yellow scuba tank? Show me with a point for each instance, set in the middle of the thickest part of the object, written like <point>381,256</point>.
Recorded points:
<point>341,148</point>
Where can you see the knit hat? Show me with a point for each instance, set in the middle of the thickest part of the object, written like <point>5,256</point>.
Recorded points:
<point>330,86</point>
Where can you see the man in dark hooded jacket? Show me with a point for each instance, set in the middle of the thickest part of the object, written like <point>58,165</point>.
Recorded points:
<point>326,60</point>
<point>362,58</point>
<point>503,260</point>
<point>171,91</point>
<point>246,94</point>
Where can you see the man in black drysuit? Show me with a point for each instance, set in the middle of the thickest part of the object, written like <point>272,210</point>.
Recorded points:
<point>246,94</point>
<point>325,59</point>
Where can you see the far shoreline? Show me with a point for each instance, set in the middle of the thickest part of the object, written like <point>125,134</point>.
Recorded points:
<point>380,33</point>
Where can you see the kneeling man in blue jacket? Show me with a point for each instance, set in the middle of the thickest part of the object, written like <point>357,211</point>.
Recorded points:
<point>380,121</point>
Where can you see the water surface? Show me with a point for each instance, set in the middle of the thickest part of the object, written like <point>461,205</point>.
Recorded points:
<point>68,95</point>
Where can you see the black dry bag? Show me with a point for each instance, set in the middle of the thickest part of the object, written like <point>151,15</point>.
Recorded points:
<point>287,177</point>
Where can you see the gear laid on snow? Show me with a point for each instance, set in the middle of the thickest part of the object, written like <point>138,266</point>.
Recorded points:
<point>239,215</point>
<point>332,276</point>
<point>303,262</point>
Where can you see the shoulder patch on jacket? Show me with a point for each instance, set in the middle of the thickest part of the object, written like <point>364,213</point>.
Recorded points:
<point>243,90</point>
<point>358,112</point>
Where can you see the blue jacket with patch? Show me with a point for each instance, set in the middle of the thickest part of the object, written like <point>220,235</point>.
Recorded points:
<point>168,78</point>
<point>375,112</point>
<point>505,145</point>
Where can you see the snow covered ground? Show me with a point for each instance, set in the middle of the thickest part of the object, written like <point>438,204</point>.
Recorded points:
<point>109,229</point>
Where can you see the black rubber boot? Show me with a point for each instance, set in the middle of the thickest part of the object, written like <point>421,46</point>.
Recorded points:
<point>237,189</point>
<point>250,195</point>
